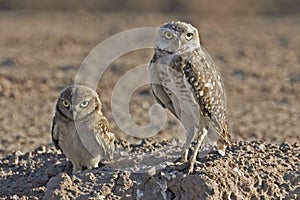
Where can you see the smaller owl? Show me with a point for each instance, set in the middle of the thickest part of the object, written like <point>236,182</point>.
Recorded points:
<point>79,128</point>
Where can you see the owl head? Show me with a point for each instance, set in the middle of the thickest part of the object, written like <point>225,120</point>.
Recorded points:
<point>77,102</point>
<point>177,36</point>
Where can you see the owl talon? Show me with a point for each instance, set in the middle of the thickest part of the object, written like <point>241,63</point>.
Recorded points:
<point>192,166</point>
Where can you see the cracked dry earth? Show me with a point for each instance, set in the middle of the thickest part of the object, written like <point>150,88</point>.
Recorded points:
<point>249,170</point>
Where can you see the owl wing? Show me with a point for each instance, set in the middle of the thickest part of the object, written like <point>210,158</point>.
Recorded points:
<point>55,133</point>
<point>204,79</point>
<point>95,137</point>
<point>158,90</point>
<point>162,98</point>
<point>105,137</point>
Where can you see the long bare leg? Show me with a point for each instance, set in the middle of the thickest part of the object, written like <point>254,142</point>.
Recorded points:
<point>201,136</point>
<point>186,154</point>
<point>189,137</point>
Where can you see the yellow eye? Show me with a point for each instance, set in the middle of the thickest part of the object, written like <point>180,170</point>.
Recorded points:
<point>66,104</point>
<point>168,35</point>
<point>84,104</point>
<point>189,36</point>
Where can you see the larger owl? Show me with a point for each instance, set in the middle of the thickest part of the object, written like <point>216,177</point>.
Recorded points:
<point>80,130</point>
<point>185,80</point>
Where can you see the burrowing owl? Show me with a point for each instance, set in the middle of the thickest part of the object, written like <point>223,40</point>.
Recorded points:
<point>185,80</point>
<point>80,130</point>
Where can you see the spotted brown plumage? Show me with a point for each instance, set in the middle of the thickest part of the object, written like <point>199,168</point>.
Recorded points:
<point>186,81</point>
<point>107,138</point>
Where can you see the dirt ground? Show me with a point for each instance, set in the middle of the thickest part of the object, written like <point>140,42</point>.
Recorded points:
<point>258,56</point>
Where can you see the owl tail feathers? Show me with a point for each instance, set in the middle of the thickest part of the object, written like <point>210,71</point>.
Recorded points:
<point>221,147</point>
<point>223,142</point>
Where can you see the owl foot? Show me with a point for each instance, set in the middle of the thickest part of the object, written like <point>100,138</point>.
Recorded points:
<point>192,166</point>
<point>200,139</point>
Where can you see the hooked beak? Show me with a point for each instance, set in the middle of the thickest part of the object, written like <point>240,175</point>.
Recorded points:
<point>179,44</point>
<point>74,112</point>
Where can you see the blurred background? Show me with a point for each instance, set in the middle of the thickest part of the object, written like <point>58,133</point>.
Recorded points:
<point>256,45</point>
<point>237,7</point>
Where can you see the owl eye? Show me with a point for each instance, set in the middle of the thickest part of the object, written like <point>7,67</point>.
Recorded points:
<point>168,35</point>
<point>84,104</point>
<point>189,36</point>
<point>66,104</point>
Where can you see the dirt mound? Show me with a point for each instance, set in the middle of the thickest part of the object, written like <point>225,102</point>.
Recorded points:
<point>248,170</point>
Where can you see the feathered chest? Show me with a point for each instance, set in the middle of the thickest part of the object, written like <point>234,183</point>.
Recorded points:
<point>171,74</point>
<point>168,70</point>
<point>188,76</point>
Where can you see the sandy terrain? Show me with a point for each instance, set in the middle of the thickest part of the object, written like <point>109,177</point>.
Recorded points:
<point>40,54</point>
<point>249,171</point>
